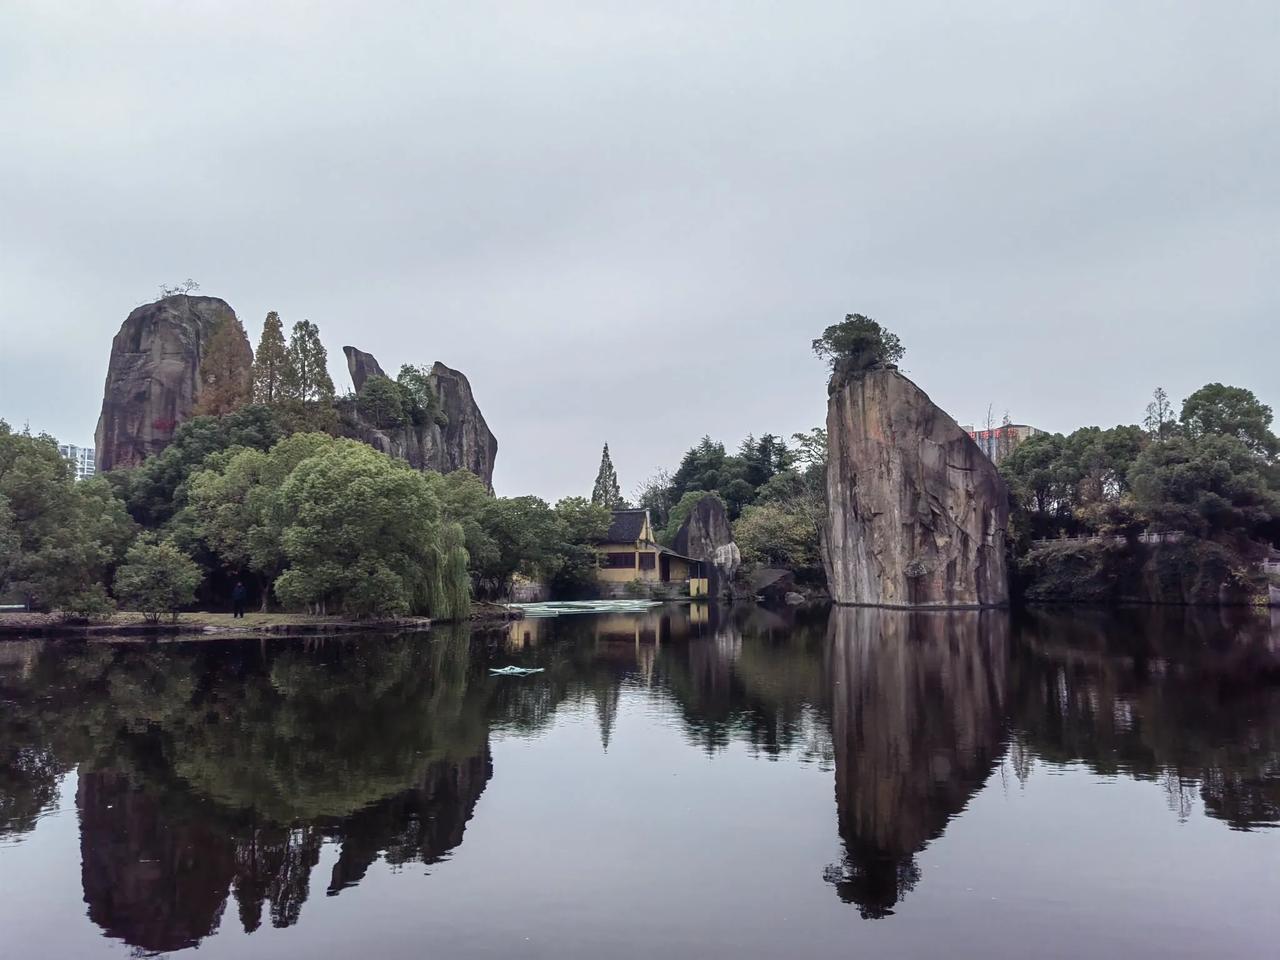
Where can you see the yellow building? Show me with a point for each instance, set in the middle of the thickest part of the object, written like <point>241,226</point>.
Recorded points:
<point>630,553</point>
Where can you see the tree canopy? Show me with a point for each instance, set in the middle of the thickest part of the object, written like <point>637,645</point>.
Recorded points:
<point>857,343</point>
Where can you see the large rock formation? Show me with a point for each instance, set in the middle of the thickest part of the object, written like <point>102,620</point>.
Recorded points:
<point>362,366</point>
<point>916,513</point>
<point>463,442</point>
<point>707,535</point>
<point>153,379</point>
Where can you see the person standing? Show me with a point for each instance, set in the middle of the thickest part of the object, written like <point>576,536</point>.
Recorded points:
<point>238,596</point>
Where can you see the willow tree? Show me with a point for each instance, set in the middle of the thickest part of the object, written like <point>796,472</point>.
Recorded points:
<point>363,534</point>
<point>449,581</point>
<point>606,492</point>
<point>226,370</point>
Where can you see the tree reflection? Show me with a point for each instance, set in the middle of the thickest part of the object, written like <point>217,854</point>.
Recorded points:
<point>208,772</point>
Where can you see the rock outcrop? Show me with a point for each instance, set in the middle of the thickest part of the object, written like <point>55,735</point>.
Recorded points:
<point>153,380</point>
<point>463,442</point>
<point>707,535</point>
<point>362,366</point>
<point>916,513</point>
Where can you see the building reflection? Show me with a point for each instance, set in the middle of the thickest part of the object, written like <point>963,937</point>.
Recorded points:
<point>212,773</point>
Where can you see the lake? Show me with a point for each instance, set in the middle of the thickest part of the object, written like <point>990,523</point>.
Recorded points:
<point>689,782</point>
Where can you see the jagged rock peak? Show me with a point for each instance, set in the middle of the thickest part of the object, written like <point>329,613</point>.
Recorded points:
<point>916,513</point>
<point>153,380</point>
<point>463,442</point>
<point>361,366</point>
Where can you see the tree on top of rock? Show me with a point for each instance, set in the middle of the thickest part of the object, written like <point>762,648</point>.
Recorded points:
<point>226,370</point>
<point>271,362</point>
<point>606,492</point>
<point>857,344</point>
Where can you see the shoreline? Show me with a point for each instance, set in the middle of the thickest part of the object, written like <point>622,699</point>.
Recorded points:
<point>194,625</point>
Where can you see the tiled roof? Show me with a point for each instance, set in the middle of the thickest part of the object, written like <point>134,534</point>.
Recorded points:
<point>625,526</point>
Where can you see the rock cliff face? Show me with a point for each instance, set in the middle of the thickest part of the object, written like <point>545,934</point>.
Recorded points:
<point>916,513</point>
<point>463,443</point>
<point>153,376</point>
<point>707,535</point>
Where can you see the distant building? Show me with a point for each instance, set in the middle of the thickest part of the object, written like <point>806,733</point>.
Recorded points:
<point>629,553</point>
<point>82,457</point>
<point>998,442</point>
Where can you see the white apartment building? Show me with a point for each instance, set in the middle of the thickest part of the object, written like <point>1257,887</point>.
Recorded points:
<point>82,457</point>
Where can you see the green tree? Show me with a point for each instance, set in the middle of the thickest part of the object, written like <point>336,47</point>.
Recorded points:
<point>235,507</point>
<point>526,532</point>
<point>606,493</point>
<point>383,401</point>
<point>360,533</point>
<point>271,363</point>
<point>157,578</point>
<point>777,534</point>
<point>1233,412</point>
<point>306,386</point>
<point>155,490</point>
<point>421,404</point>
<point>226,370</point>
<point>60,539</point>
<point>1212,486</point>
<point>1159,419</point>
<point>464,500</point>
<point>857,343</point>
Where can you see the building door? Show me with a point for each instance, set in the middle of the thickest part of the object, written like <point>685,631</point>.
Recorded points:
<point>664,568</point>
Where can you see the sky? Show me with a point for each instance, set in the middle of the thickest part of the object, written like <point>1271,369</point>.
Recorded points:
<point>625,222</point>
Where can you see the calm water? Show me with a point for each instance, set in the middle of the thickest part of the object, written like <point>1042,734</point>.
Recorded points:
<point>732,783</point>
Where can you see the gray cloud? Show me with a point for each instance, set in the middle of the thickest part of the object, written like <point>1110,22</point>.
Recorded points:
<point>624,222</point>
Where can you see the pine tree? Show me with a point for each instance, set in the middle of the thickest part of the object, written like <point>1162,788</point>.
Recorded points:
<point>306,374</point>
<point>226,370</point>
<point>271,362</point>
<point>606,492</point>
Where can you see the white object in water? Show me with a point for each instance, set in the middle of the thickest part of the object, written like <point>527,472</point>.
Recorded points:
<point>514,671</point>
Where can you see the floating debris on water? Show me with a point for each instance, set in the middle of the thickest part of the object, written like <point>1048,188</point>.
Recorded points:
<point>514,671</point>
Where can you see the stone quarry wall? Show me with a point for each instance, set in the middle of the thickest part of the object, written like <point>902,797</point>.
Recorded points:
<point>916,513</point>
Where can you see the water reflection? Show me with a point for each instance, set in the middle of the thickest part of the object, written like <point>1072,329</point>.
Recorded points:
<point>219,772</point>
<point>917,722</point>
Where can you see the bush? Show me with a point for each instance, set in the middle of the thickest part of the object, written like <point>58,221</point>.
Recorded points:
<point>157,578</point>
<point>92,603</point>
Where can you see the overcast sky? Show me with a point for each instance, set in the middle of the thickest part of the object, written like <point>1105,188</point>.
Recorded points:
<point>626,221</point>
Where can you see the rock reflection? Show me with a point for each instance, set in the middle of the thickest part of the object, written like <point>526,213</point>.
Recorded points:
<point>217,772</point>
<point>917,726</point>
<point>212,771</point>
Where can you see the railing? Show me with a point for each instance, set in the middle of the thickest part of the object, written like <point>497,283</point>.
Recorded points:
<point>1148,536</point>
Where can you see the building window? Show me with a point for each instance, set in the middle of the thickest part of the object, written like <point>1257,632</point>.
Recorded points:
<point>618,561</point>
<point>648,561</point>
